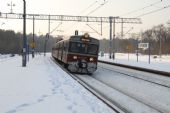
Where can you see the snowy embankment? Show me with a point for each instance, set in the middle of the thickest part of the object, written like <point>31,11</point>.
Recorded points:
<point>161,64</point>
<point>42,87</point>
<point>4,57</point>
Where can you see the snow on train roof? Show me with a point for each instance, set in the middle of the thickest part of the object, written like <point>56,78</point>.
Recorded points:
<point>84,38</point>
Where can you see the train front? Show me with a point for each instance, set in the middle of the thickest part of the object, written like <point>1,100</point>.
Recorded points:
<point>83,54</point>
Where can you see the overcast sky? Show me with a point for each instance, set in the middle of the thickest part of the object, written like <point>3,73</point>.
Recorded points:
<point>84,7</point>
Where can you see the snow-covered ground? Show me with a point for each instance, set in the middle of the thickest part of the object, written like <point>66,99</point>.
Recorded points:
<point>158,63</point>
<point>42,87</point>
<point>4,57</point>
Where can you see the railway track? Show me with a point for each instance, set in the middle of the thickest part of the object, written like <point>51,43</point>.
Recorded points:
<point>90,89</point>
<point>152,80</point>
<point>115,97</point>
<point>119,98</point>
<point>163,73</point>
<point>148,88</point>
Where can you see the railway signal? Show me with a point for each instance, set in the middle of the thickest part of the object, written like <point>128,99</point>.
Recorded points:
<point>11,5</point>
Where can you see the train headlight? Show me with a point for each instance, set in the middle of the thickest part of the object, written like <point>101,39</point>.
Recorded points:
<point>74,57</point>
<point>91,59</point>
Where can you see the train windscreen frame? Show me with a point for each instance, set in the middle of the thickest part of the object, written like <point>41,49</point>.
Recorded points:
<point>83,48</point>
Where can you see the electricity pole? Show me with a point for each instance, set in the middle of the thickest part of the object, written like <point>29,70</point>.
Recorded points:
<point>47,35</point>
<point>33,39</point>
<point>110,44</point>
<point>122,29</point>
<point>101,27</point>
<point>24,36</point>
<point>114,47</point>
<point>112,21</point>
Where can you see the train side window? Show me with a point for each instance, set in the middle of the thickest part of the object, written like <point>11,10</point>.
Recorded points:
<point>56,47</point>
<point>62,45</point>
<point>59,46</point>
<point>67,45</point>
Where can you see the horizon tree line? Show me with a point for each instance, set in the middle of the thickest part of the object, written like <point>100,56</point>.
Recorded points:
<point>158,37</point>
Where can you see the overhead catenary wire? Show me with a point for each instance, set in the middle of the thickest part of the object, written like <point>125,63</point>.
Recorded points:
<point>93,29</point>
<point>97,8</point>
<point>93,12</point>
<point>56,28</point>
<point>137,10</point>
<point>128,31</point>
<point>154,11</point>
<point>67,29</point>
<point>91,5</point>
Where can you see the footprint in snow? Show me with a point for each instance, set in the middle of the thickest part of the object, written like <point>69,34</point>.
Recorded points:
<point>75,103</point>
<point>70,108</point>
<point>40,100</point>
<point>74,111</point>
<point>54,91</point>
<point>23,105</point>
<point>11,111</point>
<point>18,107</point>
<point>67,97</point>
<point>44,96</point>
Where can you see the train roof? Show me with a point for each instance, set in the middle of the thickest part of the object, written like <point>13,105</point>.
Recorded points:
<point>80,38</point>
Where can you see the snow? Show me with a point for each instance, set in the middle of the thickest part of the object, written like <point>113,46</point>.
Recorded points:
<point>148,93</point>
<point>158,63</point>
<point>42,87</point>
<point>145,92</point>
<point>127,104</point>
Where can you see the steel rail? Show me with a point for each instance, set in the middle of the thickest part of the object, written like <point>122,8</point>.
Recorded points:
<point>90,89</point>
<point>163,73</point>
<point>111,103</point>
<point>137,77</point>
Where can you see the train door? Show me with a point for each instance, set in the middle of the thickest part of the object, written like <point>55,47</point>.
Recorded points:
<point>62,50</point>
<point>67,47</point>
<point>58,52</point>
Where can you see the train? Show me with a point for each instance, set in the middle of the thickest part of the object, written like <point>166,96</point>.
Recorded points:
<point>78,53</point>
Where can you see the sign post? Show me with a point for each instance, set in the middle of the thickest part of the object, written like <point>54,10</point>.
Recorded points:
<point>145,46</point>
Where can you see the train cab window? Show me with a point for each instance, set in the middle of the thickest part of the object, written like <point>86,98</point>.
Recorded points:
<point>92,49</point>
<point>78,47</point>
<point>74,47</point>
<point>83,48</point>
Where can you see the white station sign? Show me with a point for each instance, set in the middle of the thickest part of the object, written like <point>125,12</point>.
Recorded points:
<point>143,45</point>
